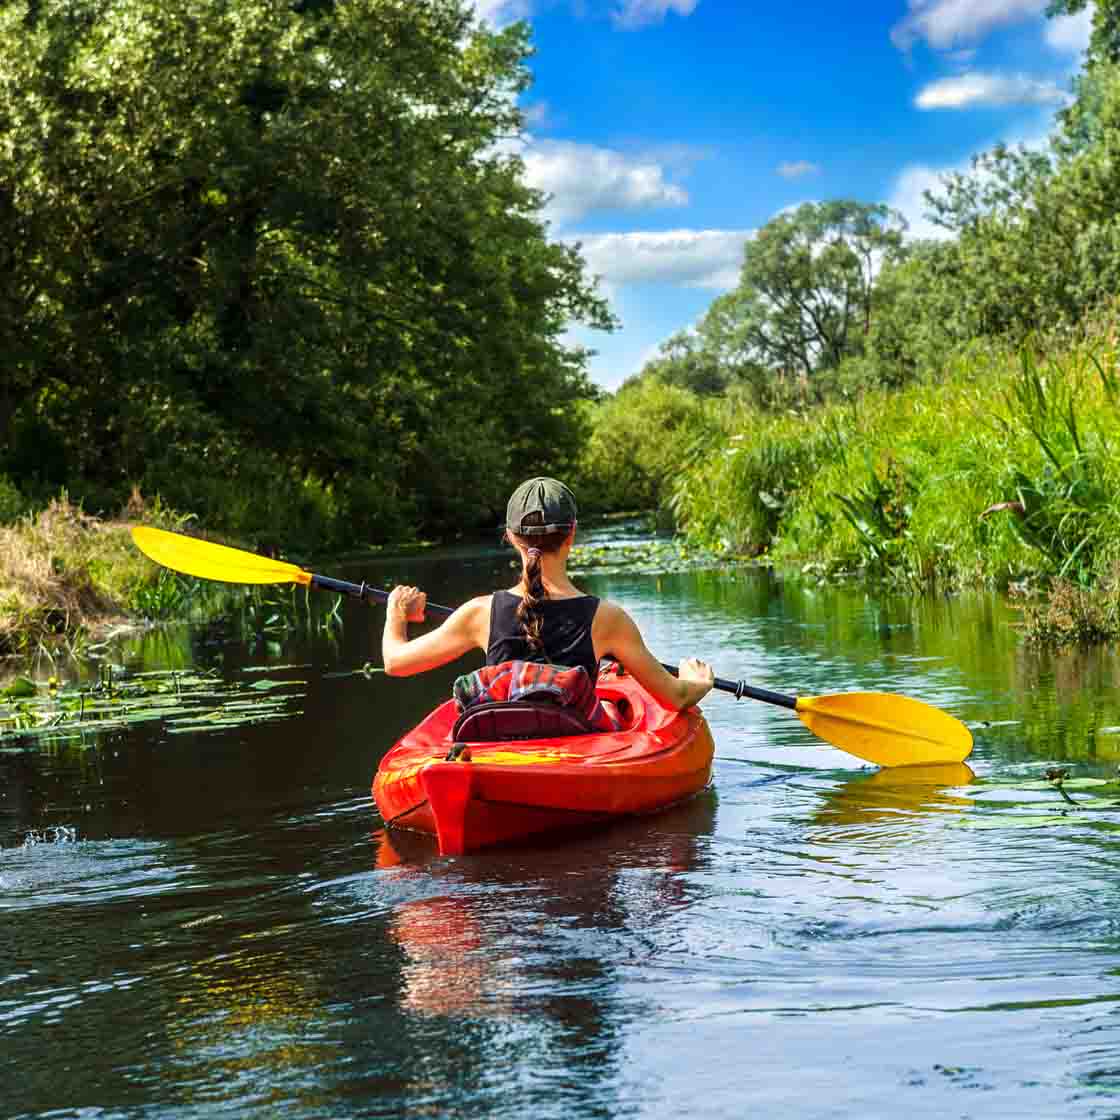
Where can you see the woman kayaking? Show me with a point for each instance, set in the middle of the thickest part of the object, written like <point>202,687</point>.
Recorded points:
<point>544,619</point>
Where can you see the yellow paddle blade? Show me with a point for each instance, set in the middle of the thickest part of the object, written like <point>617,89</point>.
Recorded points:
<point>207,560</point>
<point>886,729</point>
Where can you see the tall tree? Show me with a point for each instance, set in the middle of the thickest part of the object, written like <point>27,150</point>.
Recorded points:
<point>806,293</point>
<point>275,244</point>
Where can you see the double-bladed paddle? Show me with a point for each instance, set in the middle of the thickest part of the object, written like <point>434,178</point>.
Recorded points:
<point>880,727</point>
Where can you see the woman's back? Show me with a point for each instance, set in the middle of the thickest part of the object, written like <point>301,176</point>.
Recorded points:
<point>565,632</point>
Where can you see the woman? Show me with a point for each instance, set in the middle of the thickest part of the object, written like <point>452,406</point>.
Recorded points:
<point>545,618</point>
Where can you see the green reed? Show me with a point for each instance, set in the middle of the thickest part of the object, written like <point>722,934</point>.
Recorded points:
<point>1001,471</point>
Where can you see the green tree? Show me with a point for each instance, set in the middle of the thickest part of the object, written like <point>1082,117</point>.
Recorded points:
<point>641,438</point>
<point>686,363</point>
<point>275,250</point>
<point>806,294</point>
<point>1104,43</point>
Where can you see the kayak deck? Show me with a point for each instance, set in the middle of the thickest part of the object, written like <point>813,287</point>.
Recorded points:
<point>502,792</point>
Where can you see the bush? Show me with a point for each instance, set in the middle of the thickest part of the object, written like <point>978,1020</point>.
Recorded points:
<point>641,439</point>
<point>1006,465</point>
<point>12,504</point>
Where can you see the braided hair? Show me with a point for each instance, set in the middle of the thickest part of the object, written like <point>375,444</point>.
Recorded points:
<point>528,610</point>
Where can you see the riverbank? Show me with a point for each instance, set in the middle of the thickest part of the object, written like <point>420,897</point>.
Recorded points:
<point>66,577</point>
<point>1000,472</point>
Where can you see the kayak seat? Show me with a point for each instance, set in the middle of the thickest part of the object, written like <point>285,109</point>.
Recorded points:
<point>505,721</point>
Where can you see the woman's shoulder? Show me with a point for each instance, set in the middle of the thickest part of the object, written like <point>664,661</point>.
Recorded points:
<point>609,614</point>
<point>473,608</point>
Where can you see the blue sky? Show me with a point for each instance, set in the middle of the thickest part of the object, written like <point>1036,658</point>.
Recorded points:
<point>666,131</point>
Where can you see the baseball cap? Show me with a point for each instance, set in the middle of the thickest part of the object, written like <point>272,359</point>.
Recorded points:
<point>546,497</point>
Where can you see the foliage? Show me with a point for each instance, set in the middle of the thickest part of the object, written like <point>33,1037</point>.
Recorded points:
<point>1104,43</point>
<point>1066,510</point>
<point>923,485</point>
<point>739,483</point>
<point>12,502</point>
<point>806,294</point>
<point>641,438</point>
<point>684,362</point>
<point>879,510</point>
<point>272,261</point>
<point>1033,236</point>
<point>1073,615</point>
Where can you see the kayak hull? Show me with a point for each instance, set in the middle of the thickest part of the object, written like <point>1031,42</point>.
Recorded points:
<point>505,792</point>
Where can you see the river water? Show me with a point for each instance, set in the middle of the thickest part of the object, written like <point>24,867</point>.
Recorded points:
<point>214,922</point>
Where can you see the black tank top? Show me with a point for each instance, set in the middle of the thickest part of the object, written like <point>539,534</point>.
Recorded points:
<point>565,634</point>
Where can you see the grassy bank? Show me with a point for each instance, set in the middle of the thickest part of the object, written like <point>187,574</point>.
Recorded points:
<point>1002,472</point>
<point>66,576</point>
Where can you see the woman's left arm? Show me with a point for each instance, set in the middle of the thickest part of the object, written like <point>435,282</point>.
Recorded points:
<point>466,629</point>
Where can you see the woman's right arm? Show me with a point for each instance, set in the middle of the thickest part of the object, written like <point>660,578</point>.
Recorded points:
<point>616,633</point>
<point>466,629</point>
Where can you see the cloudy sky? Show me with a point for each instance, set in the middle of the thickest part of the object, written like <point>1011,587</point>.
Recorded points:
<point>665,131</point>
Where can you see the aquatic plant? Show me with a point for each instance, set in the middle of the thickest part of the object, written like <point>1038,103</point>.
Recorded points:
<point>33,714</point>
<point>1001,468</point>
<point>879,510</point>
<point>1071,614</point>
<point>1066,507</point>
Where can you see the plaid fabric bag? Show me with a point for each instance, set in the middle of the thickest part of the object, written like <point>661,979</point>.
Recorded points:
<point>532,681</point>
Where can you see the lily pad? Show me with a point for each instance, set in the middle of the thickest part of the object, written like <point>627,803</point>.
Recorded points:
<point>192,700</point>
<point>1068,783</point>
<point>1011,820</point>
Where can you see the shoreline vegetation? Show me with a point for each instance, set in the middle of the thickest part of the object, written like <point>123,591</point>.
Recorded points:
<point>68,578</point>
<point>313,330</point>
<point>1001,473</point>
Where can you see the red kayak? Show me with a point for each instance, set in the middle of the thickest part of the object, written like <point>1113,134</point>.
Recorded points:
<point>488,784</point>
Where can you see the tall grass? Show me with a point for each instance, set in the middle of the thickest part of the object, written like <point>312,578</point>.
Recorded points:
<point>1004,469</point>
<point>63,572</point>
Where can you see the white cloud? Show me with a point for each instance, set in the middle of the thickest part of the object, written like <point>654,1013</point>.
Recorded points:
<point>966,90</point>
<point>1070,33</point>
<point>688,258</point>
<point>908,198</point>
<point>584,179</point>
<point>503,12</point>
<point>944,24</point>
<point>632,14</point>
<point>797,168</point>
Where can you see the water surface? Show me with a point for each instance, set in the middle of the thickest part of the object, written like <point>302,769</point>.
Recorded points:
<point>193,924</point>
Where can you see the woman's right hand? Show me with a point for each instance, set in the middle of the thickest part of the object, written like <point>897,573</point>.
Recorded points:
<point>407,603</point>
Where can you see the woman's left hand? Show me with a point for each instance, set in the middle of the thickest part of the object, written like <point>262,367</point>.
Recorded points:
<point>407,603</point>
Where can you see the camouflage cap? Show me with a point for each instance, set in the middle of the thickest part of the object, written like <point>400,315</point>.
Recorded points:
<point>547,498</point>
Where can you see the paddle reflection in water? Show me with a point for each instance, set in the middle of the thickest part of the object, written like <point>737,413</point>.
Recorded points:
<point>896,796</point>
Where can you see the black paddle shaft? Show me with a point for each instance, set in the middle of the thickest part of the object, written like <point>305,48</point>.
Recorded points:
<point>738,689</point>
<point>367,593</point>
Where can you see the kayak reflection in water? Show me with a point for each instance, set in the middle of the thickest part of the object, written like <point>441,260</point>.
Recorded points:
<point>545,618</point>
